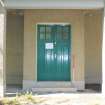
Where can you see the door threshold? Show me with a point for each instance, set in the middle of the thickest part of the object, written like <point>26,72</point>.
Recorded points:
<point>52,84</point>
<point>52,90</point>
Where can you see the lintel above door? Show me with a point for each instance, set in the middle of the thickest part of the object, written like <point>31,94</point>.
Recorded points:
<point>54,4</point>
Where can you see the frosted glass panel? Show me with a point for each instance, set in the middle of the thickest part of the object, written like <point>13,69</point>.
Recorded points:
<point>42,32</point>
<point>48,33</point>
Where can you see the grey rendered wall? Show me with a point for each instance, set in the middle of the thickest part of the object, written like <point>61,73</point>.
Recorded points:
<point>93,47</point>
<point>14,49</point>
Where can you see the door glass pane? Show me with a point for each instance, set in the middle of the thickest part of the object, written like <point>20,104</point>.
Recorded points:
<point>48,33</point>
<point>65,33</point>
<point>59,32</point>
<point>42,32</point>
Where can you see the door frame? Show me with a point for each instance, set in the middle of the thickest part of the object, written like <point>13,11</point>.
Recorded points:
<point>71,72</point>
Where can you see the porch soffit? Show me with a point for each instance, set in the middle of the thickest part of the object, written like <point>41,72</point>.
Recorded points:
<point>54,4</point>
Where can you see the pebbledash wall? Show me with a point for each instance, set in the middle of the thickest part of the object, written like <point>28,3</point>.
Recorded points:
<point>86,41</point>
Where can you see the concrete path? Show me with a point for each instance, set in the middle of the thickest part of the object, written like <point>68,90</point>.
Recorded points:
<point>72,99</point>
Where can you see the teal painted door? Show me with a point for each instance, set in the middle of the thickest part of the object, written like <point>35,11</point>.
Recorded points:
<point>53,53</point>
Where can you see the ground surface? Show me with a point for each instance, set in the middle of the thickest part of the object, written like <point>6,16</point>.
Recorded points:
<point>82,98</point>
<point>73,99</point>
<point>61,99</point>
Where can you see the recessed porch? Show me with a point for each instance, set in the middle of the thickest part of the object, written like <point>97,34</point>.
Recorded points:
<point>86,41</point>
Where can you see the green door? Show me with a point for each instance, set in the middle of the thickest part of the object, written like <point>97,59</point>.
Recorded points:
<point>53,53</point>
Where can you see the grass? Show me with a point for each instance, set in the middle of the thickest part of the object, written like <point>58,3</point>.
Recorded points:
<point>21,99</point>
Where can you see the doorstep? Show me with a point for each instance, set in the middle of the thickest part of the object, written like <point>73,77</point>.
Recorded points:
<point>53,90</point>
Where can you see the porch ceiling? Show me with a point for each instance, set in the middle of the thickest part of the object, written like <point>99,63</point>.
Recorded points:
<point>53,4</point>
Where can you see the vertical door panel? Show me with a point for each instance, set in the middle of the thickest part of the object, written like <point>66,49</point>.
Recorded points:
<point>41,52</point>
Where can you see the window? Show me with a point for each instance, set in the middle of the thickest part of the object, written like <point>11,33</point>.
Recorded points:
<point>65,33</point>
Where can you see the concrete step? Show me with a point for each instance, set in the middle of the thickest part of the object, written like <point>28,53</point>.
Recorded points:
<point>52,84</point>
<point>54,90</point>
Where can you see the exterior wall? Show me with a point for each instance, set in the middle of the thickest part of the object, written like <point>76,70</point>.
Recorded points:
<point>14,49</point>
<point>93,47</point>
<point>86,44</point>
<point>31,18</point>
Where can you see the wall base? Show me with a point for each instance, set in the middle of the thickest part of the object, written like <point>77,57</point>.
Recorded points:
<point>29,84</point>
<point>80,85</point>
